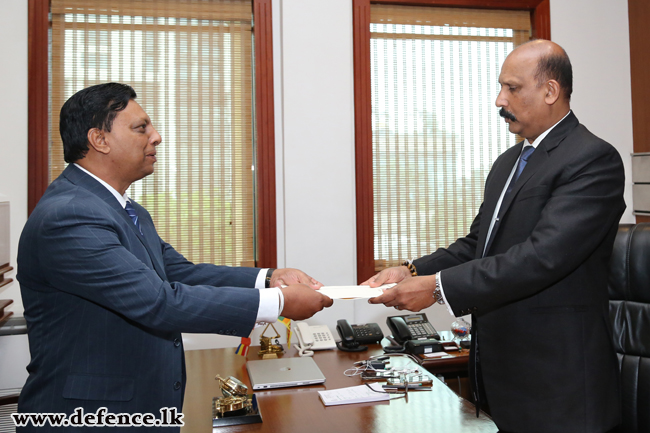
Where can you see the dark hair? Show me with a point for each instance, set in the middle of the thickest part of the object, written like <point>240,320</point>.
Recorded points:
<point>92,107</point>
<point>556,67</point>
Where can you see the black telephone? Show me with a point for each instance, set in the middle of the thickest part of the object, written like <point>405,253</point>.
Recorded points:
<point>411,327</point>
<point>353,336</point>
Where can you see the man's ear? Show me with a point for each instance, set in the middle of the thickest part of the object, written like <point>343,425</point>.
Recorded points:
<point>553,92</point>
<point>97,141</point>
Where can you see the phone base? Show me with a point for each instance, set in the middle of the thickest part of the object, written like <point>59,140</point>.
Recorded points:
<point>350,349</point>
<point>394,349</point>
<point>417,347</point>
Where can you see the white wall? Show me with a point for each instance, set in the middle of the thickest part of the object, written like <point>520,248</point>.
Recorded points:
<point>13,129</point>
<point>595,35</point>
<point>315,131</point>
<point>14,352</point>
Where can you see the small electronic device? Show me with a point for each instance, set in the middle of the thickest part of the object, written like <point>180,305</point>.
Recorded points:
<point>414,381</point>
<point>411,327</point>
<point>378,375</point>
<point>312,338</point>
<point>354,336</point>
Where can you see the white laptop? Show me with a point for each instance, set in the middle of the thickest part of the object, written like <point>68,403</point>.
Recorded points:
<point>283,372</point>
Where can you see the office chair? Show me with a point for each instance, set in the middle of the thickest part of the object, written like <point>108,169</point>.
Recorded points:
<point>629,311</point>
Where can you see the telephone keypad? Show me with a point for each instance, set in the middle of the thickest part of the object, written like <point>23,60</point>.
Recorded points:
<point>421,330</point>
<point>418,327</point>
<point>367,333</point>
<point>417,331</point>
<point>321,336</point>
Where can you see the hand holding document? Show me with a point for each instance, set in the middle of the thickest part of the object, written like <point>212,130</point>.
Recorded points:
<point>353,292</point>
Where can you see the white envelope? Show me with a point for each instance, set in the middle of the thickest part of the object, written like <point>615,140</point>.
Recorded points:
<point>353,292</point>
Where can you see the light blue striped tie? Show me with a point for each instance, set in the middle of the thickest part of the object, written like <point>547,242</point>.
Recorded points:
<point>134,216</point>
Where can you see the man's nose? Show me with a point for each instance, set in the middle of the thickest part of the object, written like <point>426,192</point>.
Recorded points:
<point>501,101</point>
<point>155,137</point>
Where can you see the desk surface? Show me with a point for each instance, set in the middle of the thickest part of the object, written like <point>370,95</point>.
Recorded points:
<point>453,362</point>
<point>299,409</point>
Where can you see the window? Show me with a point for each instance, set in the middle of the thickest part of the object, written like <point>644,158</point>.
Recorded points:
<point>191,63</point>
<point>429,129</point>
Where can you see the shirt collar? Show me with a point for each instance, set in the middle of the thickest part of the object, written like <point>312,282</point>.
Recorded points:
<point>543,134</point>
<point>121,198</point>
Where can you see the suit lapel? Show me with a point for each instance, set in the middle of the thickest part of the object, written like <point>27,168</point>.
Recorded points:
<point>78,177</point>
<point>493,187</point>
<point>150,239</point>
<point>542,154</point>
<point>536,161</point>
<point>501,175</point>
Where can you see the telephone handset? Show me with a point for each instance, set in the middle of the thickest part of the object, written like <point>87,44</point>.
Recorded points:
<point>312,338</point>
<point>411,327</point>
<point>353,336</point>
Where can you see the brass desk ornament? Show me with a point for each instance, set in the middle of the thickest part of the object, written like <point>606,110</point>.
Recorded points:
<point>235,406</point>
<point>268,349</point>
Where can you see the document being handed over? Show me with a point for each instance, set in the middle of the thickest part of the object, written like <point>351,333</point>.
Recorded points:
<point>353,292</point>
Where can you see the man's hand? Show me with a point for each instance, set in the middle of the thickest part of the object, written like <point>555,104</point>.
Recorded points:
<point>301,301</point>
<point>414,294</point>
<point>289,276</point>
<point>388,275</point>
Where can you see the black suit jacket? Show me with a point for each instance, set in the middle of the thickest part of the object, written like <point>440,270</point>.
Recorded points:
<point>539,296</point>
<point>105,305</point>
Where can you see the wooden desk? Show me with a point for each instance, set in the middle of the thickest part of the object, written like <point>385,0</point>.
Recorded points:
<point>454,368</point>
<point>299,409</point>
<point>454,362</point>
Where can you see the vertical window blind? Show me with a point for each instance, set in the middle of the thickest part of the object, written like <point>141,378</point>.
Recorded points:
<point>190,62</point>
<point>435,128</point>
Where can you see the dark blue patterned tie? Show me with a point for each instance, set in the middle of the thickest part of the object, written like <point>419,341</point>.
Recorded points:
<point>528,150</point>
<point>134,216</point>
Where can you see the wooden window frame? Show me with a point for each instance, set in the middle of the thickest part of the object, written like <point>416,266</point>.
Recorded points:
<point>540,23</point>
<point>38,129</point>
<point>638,13</point>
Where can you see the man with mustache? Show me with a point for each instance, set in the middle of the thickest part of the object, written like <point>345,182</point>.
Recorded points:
<point>507,115</point>
<point>533,270</point>
<point>106,299</point>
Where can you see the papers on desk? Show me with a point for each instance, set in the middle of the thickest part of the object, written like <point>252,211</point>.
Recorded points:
<point>438,355</point>
<point>353,292</point>
<point>353,394</point>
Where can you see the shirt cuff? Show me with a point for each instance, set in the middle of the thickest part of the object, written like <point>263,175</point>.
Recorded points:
<point>260,281</point>
<point>442,292</point>
<point>271,305</point>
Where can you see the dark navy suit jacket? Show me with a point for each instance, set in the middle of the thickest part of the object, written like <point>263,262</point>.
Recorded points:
<point>538,298</point>
<point>105,306</point>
